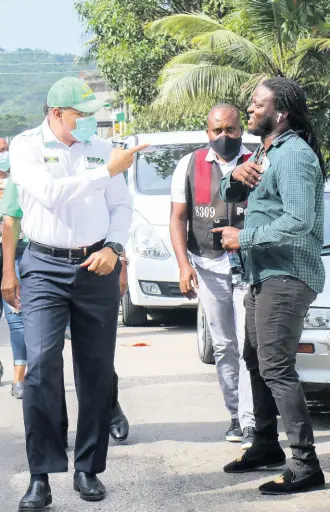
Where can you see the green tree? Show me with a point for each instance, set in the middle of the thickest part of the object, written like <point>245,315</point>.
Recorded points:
<point>12,125</point>
<point>129,60</point>
<point>217,8</point>
<point>258,39</point>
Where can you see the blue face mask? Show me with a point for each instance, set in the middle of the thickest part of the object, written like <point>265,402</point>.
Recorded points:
<point>85,128</point>
<point>4,161</point>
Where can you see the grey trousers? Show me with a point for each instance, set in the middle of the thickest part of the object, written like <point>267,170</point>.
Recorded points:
<point>223,304</point>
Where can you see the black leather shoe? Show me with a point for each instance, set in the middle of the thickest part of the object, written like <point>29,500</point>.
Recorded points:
<point>289,483</point>
<point>90,487</point>
<point>119,426</point>
<point>37,497</point>
<point>252,460</point>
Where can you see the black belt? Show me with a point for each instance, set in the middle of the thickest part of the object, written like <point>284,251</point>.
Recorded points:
<point>72,254</point>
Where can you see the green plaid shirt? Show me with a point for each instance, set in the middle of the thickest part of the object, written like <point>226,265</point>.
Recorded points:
<point>283,232</point>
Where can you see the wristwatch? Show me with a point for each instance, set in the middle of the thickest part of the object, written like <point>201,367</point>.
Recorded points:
<point>116,247</point>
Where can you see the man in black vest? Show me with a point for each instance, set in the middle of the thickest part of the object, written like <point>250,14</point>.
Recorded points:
<point>196,204</point>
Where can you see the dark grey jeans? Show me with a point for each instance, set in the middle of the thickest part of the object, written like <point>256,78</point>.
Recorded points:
<point>275,311</point>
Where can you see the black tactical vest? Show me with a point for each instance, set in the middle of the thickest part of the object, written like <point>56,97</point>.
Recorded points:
<point>205,205</point>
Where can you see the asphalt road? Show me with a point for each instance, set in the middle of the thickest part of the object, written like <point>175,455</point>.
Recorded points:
<point>173,458</point>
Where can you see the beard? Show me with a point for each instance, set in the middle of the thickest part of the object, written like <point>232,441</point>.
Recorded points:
<point>263,128</point>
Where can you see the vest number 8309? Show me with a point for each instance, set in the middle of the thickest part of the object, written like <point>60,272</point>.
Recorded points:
<point>205,211</point>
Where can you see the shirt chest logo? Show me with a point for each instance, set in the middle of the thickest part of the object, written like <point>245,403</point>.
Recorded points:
<point>51,160</point>
<point>97,161</point>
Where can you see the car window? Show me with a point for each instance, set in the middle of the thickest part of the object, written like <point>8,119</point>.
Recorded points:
<point>155,167</point>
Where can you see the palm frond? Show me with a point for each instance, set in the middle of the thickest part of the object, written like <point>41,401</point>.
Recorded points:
<point>319,44</point>
<point>250,85</point>
<point>174,112</point>
<point>311,59</point>
<point>318,94</point>
<point>188,82</point>
<point>266,17</point>
<point>183,26</point>
<point>240,51</point>
<point>196,56</point>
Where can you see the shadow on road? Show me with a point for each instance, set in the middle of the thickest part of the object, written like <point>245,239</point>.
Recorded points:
<point>199,432</point>
<point>162,487</point>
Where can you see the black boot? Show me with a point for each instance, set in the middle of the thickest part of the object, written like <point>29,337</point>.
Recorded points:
<point>119,426</point>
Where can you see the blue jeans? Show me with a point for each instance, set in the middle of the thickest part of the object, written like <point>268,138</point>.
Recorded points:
<point>16,328</point>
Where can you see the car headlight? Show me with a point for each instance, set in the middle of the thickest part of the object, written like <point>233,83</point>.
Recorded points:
<point>146,243</point>
<point>317,319</point>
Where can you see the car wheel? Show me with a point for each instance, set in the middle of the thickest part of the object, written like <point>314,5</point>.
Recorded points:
<point>204,339</point>
<point>133,315</point>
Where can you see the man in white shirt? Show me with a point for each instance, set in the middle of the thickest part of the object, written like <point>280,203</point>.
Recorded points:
<point>76,214</point>
<point>196,204</point>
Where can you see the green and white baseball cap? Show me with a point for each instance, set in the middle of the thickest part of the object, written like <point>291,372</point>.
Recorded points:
<point>74,92</point>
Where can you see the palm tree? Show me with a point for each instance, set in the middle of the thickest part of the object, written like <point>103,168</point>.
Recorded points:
<point>227,59</point>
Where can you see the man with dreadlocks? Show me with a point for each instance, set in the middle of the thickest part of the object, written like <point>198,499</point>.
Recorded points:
<point>281,246</point>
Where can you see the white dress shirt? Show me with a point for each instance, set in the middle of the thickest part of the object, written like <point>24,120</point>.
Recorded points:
<point>66,194</point>
<point>178,195</point>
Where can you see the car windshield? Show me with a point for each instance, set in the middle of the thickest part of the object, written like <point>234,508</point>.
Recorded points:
<point>156,165</point>
<point>327,220</point>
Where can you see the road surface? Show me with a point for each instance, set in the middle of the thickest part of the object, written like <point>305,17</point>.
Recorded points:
<point>173,458</point>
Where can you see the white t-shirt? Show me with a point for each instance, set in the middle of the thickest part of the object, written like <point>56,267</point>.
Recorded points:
<point>178,195</point>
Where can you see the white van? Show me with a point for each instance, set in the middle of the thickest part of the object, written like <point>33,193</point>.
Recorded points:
<point>153,273</point>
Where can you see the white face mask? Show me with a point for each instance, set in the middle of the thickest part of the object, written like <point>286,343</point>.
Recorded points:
<point>4,161</point>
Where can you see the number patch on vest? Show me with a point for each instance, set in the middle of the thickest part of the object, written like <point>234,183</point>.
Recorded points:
<point>205,211</point>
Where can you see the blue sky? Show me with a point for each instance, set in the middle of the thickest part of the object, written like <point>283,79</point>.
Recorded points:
<point>50,25</point>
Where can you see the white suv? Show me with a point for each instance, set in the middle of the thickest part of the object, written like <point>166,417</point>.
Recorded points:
<point>153,273</point>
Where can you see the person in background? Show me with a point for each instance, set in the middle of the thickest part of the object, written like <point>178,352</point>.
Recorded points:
<point>195,207</point>
<point>4,166</point>
<point>76,214</point>
<point>281,245</point>
<point>13,316</point>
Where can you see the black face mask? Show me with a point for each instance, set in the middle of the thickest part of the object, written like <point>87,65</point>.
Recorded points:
<point>226,147</point>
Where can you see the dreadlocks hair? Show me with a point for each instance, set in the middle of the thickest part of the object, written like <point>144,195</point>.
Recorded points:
<point>289,96</point>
